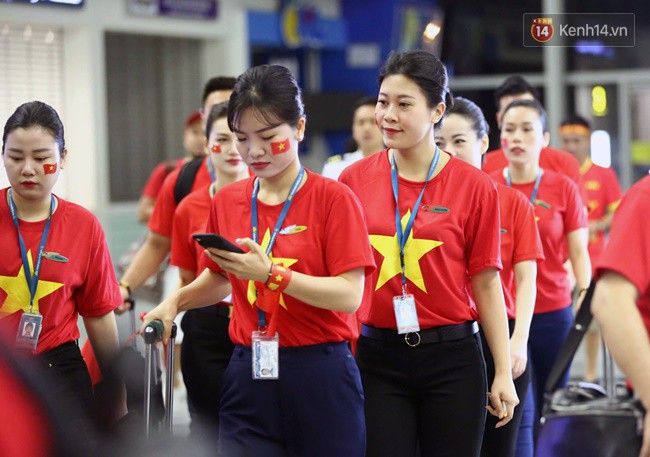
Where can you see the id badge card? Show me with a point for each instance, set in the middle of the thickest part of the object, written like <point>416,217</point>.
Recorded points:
<point>266,356</point>
<point>406,314</point>
<point>29,329</point>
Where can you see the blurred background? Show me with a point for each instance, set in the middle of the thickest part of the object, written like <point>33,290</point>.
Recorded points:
<point>125,74</point>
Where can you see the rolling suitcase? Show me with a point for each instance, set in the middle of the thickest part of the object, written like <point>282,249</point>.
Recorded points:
<point>153,333</point>
<point>585,419</point>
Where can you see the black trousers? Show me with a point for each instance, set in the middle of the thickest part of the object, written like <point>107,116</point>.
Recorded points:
<point>67,374</point>
<point>205,353</point>
<point>432,396</point>
<point>502,442</point>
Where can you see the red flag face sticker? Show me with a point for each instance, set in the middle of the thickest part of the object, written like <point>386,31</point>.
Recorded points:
<point>504,143</point>
<point>49,169</point>
<point>216,148</point>
<point>280,147</point>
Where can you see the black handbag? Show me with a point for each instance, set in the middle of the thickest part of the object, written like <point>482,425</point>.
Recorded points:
<point>584,419</point>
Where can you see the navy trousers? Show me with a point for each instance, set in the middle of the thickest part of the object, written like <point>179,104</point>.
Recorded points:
<point>315,409</point>
<point>548,332</point>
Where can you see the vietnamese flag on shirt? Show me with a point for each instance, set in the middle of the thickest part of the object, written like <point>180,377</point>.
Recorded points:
<point>280,147</point>
<point>50,169</point>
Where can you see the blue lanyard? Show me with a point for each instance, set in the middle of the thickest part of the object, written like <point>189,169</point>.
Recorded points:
<point>208,163</point>
<point>538,180</point>
<point>32,281</point>
<point>278,224</point>
<point>403,236</point>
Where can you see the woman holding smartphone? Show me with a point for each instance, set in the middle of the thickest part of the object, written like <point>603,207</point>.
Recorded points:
<point>294,292</point>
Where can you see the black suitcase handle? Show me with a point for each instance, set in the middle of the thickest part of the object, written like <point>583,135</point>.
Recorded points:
<point>571,344</point>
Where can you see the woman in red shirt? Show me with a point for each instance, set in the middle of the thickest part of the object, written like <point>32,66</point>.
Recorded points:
<point>434,224</point>
<point>464,133</point>
<point>303,276</point>
<point>206,347</point>
<point>562,226</point>
<point>55,261</point>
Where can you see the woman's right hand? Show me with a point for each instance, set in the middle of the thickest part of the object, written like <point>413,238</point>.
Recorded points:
<point>165,312</point>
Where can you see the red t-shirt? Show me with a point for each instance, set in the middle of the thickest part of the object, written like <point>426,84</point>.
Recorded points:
<point>324,235</point>
<point>627,251</point>
<point>550,159</point>
<point>604,193</point>
<point>162,218</point>
<point>157,177</point>
<point>191,217</point>
<point>455,235</point>
<point>84,285</point>
<point>559,211</point>
<point>520,240</point>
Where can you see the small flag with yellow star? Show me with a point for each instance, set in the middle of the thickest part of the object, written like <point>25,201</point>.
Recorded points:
<point>280,147</point>
<point>50,169</point>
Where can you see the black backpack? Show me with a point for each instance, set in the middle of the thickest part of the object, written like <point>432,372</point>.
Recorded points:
<point>186,178</point>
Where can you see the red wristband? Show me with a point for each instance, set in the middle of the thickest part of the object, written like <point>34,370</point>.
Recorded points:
<point>279,278</point>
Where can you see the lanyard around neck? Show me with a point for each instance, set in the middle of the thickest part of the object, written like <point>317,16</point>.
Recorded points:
<point>32,280</point>
<point>538,180</point>
<point>403,235</point>
<point>208,163</point>
<point>278,224</point>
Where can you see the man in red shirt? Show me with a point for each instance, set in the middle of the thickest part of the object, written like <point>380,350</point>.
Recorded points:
<point>621,303</point>
<point>517,88</point>
<point>158,244</point>
<point>604,193</point>
<point>193,145</point>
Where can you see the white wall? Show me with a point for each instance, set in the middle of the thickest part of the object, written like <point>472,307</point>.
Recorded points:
<point>84,112</point>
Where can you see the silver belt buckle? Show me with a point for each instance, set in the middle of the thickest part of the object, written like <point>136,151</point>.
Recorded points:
<point>406,339</point>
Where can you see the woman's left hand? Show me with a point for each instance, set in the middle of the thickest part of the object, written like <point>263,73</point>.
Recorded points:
<point>503,399</point>
<point>253,266</point>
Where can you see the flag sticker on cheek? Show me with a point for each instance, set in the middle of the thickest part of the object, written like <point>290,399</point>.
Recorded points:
<point>49,169</point>
<point>216,148</point>
<point>504,143</point>
<point>280,147</point>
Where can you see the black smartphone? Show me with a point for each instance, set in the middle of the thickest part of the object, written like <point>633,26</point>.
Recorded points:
<point>213,240</point>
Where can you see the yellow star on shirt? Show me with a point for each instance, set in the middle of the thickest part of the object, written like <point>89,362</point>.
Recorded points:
<point>414,250</point>
<point>18,292</point>
<point>286,263</point>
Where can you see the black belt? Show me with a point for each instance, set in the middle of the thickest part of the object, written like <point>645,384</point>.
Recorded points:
<point>427,336</point>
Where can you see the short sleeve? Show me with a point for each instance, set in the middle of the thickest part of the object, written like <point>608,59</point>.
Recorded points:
<point>627,251</point>
<point>482,233</point>
<point>155,182</point>
<point>527,242</point>
<point>613,191</point>
<point>99,293</point>
<point>161,221</point>
<point>347,244</point>
<point>183,252</point>
<point>574,216</point>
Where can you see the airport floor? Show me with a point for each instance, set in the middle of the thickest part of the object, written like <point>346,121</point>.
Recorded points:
<point>122,229</point>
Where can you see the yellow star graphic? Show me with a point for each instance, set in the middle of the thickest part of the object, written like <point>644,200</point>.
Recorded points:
<point>281,147</point>
<point>414,250</point>
<point>18,291</point>
<point>252,291</point>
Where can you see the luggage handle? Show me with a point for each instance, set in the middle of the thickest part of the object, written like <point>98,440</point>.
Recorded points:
<point>153,333</point>
<point>569,348</point>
